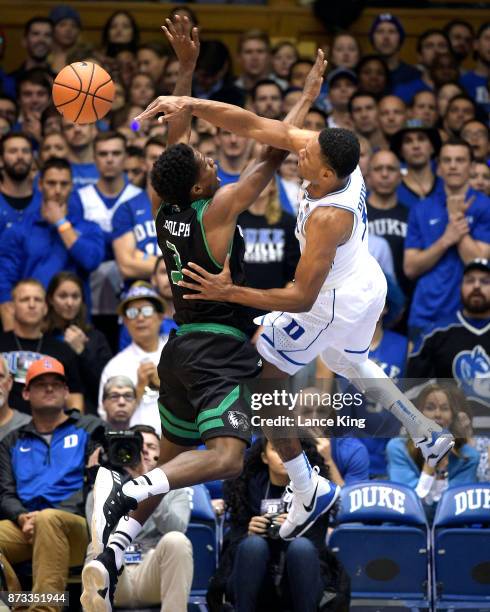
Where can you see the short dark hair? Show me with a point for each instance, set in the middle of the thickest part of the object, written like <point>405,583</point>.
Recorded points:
<point>263,82</point>
<point>156,46</point>
<point>38,19</point>
<point>253,35</point>
<point>458,22</point>
<point>318,111</point>
<point>174,173</point>
<point>9,135</point>
<point>55,162</point>
<point>484,26</point>
<point>462,96</point>
<point>132,151</point>
<point>300,60</point>
<point>457,142</point>
<point>38,76</point>
<point>359,94</point>
<point>159,141</point>
<point>428,33</point>
<point>423,91</point>
<point>341,150</point>
<point>110,135</point>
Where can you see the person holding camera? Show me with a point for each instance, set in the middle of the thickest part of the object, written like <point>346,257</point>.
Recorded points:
<point>158,563</point>
<point>42,468</point>
<point>258,570</point>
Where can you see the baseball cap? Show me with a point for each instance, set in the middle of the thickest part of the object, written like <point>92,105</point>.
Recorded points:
<point>141,290</point>
<point>45,365</point>
<point>387,18</point>
<point>341,72</point>
<point>415,125</point>
<point>63,11</point>
<point>477,264</point>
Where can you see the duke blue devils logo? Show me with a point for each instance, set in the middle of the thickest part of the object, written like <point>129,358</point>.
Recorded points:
<point>471,369</point>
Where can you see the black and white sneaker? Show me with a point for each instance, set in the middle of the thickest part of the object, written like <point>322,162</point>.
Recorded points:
<point>110,504</point>
<point>99,579</point>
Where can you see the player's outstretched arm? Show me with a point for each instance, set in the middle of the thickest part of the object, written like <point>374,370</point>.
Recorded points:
<point>232,118</point>
<point>326,229</point>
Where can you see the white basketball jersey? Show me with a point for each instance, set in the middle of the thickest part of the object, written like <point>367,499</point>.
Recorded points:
<point>351,257</point>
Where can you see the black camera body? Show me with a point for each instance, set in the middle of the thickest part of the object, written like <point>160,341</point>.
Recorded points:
<point>122,449</point>
<point>271,509</point>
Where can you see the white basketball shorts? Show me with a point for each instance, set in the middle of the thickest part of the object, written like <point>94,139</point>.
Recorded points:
<point>341,323</point>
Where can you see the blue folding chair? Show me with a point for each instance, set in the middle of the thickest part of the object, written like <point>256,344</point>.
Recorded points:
<point>202,531</point>
<point>383,542</point>
<point>461,548</point>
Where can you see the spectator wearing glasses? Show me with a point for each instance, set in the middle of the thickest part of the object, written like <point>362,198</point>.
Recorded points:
<point>119,401</point>
<point>142,311</point>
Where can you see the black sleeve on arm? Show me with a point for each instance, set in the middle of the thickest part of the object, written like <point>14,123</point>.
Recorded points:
<point>72,369</point>
<point>291,247</point>
<point>10,504</point>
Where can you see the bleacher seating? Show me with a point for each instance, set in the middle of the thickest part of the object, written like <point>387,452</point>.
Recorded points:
<point>461,549</point>
<point>382,540</point>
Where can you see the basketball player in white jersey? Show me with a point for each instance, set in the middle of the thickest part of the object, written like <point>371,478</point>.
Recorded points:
<point>338,295</point>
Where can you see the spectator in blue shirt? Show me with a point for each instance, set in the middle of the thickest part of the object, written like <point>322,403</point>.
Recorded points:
<point>460,109</point>
<point>477,135</point>
<point>416,144</point>
<point>387,36</point>
<point>430,44</point>
<point>461,36</point>
<point>347,459</point>
<point>80,138</point>
<point>17,196</point>
<point>406,464</point>
<point>476,81</point>
<point>51,239</point>
<point>444,232</point>
<point>233,156</point>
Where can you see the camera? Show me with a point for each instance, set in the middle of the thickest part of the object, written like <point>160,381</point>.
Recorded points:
<point>272,530</point>
<point>122,449</point>
<point>271,509</point>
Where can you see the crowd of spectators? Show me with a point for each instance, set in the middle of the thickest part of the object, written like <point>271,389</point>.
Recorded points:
<point>86,306</point>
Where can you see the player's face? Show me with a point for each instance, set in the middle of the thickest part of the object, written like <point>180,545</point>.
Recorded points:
<point>29,304</point>
<point>56,185</point>
<point>53,145</point>
<point>17,158</point>
<point>475,291</point>
<point>425,108</point>
<point>160,280</point>
<point>416,149</point>
<point>67,300</point>
<point>310,161</point>
<point>392,114</point>
<point>110,157</point>
<point>476,135</point>
<point>437,408</point>
<point>455,165</point>
<point>480,177</point>
<point>384,173</point>
<point>208,176</point>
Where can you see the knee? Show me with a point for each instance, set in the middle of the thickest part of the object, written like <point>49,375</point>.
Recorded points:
<point>174,543</point>
<point>254,545</point>
<point>301,550</point>
<point>48,516</point>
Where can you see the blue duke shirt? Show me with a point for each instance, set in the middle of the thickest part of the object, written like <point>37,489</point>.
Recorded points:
<point>438,290</point>
<point>135,216</point>
<point>10,215</point>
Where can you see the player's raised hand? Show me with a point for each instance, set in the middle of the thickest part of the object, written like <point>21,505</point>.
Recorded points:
<point>170,105</point>
<point>214,287</point>
<point>184,40</point>
<point>314,79</point>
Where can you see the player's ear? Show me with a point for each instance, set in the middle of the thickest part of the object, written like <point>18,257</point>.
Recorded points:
<point>196,189</point>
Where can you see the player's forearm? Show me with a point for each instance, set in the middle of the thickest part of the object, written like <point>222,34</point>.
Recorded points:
<point>297,114</point>
<point>289,299</point>
<point>418,262</point>
<point>242,122</point>
<point>179,127</point>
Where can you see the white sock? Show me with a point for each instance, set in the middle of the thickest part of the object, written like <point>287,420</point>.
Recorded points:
<point>126,530</point>
<point>154,482</point>
<point>299,470</point>
<point>379,387</point>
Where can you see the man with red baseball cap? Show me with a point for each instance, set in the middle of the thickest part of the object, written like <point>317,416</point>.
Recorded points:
<point>42,467</point>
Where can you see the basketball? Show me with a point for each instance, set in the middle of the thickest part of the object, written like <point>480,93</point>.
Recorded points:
<point>83,92</point>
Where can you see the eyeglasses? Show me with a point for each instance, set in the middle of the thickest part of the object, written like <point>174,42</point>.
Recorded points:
<point>146,311</point>
<point>115,397</point>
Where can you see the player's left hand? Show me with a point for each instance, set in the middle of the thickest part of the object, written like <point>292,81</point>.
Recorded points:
<point>184,40</point>
<point>215,287</point>
<point>170,105</point>
<point>314,79</point>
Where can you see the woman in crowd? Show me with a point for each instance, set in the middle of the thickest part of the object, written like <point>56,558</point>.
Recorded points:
<point>67,321</point>
<point>406,464</point>
<point>142,90</point>
<point>373,75</point>
<point>259,571</point>
<point>120,29</point>
<point>284,54</point>
<point>345,52</point>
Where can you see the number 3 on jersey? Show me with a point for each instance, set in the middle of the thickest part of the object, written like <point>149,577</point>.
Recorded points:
<point>175,275</point>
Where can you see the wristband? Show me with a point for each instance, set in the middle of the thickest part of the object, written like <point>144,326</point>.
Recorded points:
<point>65,226</point>
<point>60,222</point>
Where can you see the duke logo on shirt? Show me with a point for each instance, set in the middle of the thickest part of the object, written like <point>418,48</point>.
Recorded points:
<point>70,441</point>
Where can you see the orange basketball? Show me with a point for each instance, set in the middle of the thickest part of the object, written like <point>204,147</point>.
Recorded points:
<point>83,92</point>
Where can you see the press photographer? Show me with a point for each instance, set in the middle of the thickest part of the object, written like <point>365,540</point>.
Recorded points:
<point>158,564</point>
<point>258,570</point>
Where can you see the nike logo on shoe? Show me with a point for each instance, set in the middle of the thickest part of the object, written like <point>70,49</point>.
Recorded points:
<point>311,505</point>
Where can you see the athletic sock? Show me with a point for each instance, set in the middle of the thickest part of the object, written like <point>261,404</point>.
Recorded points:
<point>152,483</point>
<point>127,529</point>
<point>299,470</point>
